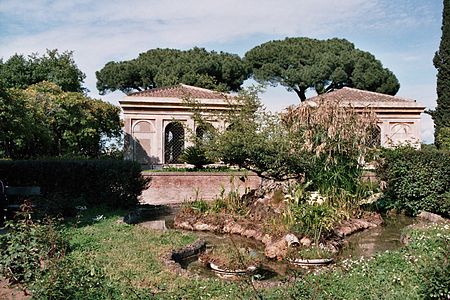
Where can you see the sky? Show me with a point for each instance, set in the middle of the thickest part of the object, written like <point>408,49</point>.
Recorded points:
<point>402,34</point>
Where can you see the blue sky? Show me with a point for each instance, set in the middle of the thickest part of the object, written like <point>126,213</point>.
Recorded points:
<point>403,34</point>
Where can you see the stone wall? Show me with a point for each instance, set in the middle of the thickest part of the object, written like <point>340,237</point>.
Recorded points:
<point>176,187</point>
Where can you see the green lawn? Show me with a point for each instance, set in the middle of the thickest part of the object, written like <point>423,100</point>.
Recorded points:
<point>130,256</point>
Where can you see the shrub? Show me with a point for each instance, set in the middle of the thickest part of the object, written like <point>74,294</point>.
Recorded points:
<point>29,246</point>
<point>196,156</point>
<point>416,180</point>
<point>115,183</point>
<point>74,278</point>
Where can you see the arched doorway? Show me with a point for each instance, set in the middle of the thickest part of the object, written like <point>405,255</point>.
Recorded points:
<point>173,142</point>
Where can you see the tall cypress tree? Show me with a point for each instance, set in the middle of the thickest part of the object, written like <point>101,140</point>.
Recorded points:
<point>441,115</point>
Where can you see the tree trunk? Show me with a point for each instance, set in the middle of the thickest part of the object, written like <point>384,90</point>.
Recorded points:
<point>301,94</point>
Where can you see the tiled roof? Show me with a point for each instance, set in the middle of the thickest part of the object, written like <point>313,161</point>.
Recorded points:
<point>350,95</point>
<point>180,91</point>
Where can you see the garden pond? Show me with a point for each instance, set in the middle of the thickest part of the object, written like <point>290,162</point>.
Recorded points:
<point>365,243</point>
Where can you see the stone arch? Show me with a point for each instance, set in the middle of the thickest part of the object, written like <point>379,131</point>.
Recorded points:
<point>173,142</point>
<point>400,133</point>
<point>142,133</point>
<point>205,132</point>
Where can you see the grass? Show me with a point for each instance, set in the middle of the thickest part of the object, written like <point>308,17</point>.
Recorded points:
<point>130,258</point>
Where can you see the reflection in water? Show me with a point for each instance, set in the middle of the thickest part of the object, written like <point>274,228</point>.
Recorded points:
<point>379,239</point>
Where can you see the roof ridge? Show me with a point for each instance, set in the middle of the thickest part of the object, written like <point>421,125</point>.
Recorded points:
<point>199,88</point>
<point>181,90</point>
<point>376,93</point>
<point>162,88</point>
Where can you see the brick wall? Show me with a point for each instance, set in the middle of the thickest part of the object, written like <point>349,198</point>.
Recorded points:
<point>176,187</point>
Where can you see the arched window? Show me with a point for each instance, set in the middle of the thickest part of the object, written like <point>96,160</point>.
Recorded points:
<point>205,132</point>
<point>401,133</point>
<point>374,136</point>
<point>173,142</point>
<point>142,133</point>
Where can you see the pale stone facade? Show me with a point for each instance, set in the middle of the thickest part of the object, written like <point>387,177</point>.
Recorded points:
<point>399,118</point>
<point>158,122</point>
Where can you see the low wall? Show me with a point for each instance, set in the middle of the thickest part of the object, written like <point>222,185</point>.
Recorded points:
<point>177,187</point>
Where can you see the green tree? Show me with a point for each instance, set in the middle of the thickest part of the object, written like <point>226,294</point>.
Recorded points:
<point>441,115</point>
<point>16,124</point>
<point>43,120</point>
<point>303,63</point>
<point>322,143</point>
<point>60,68</point>
<point>164,67</point>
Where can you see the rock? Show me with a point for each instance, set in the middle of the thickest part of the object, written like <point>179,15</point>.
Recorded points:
<point>133,217</point>
<point>155,225</point>
<point>188,251</point>
<point>266,239</point>
<point>249,233</point>
<point>277,249</point>
<point>204,227</point>
<point>184,225</point>
<point>236,229</point>
<point>434,218</point>
<point>305,241</point>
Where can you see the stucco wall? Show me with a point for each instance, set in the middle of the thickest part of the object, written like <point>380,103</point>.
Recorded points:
<point>173,187</point>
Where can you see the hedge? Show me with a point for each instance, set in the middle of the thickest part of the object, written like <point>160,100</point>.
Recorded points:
<point>416,180</point>
<point>116,183</point>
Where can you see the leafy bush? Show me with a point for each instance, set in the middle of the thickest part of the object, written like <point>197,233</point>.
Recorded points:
<point>115,183</point>
<point>416,180</point>
<point>29,246</point>
<point>437,279</point>
<point>74,278</point>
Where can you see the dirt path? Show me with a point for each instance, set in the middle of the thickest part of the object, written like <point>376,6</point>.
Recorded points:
<point>11,293</point>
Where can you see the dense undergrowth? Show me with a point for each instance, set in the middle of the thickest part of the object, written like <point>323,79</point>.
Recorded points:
<point>416,180</point>
<point>107,259</point>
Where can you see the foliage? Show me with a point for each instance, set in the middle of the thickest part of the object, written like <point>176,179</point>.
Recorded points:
<point>199,205</point>
<point>335,138</point>
<point>115,183</point>
<point>74,278</point>
<point>443,138</point>
<point>124,262</point>
<point>314,220</point>
<point>441,115</point>
<point>45,121</point>
<point>29,246</point>
<point>322,142</point>
<point>230,257</point>
<point>437,283</point>
<point>416,180</point>
<point>196,156</point>
<point>165,67</point>
<point>303,63</point>
<point>255,140</point>
<point>130,257</point>
<point>60,68</point>
<point>230,201</point>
